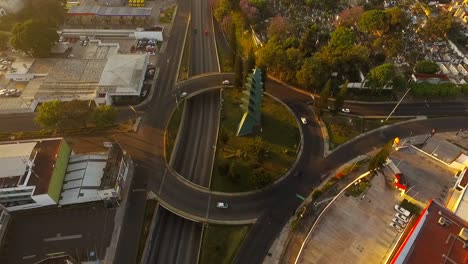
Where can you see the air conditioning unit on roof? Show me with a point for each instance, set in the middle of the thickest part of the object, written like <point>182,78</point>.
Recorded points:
<point>463,234</point>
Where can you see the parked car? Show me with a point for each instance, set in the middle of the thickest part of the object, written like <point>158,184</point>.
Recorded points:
<point>304,120</point>
<point>402,217</point>
<point>222,205</point>
<point>402,210</point>
<point>399,221</point>
<point>397,227</point>
<point>182,95</point>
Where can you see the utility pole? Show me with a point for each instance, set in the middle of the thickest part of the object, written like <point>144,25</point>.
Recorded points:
<point>134,111</point>
<point>396,106</point>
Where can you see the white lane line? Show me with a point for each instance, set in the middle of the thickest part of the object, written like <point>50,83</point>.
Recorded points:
<point>60,237</point>
<point>29,257</point>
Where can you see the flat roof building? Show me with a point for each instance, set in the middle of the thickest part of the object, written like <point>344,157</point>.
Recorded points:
<point>439,236</point>
<point>45,172</point>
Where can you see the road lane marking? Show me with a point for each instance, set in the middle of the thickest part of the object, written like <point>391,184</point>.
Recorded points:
<point>29,257</point>
<point>60,237</point>
<point>162,183</point>
<point>208,208</point>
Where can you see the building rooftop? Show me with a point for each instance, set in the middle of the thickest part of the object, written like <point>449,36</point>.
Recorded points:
<point>14,158</point>
<point>47,151</point>
<point>109,11</point>
<point>123,73</point>
<point>423,76</point>
<point>437,237</point>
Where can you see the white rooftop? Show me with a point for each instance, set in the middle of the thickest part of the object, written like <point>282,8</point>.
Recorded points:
<point>123,73</point>
<point>83,178</point>
<point>14,158</point>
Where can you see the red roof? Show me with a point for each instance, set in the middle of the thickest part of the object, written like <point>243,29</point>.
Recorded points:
<point>424,76</point>
<point>431,242</point>
<point>44,165</point>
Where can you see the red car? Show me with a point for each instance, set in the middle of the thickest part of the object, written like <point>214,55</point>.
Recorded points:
<point>206,32</point>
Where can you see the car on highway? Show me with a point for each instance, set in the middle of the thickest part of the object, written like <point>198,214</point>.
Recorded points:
<point>222,205</point>
<point>331,108</point>
<point>402,210</point>
<point>182,95</point>
<point>226,82</point>
<point>345,110</point>
<point>304,120</point>
<point>401,217</point>
<point>397,227</point>
<point>206,32</point>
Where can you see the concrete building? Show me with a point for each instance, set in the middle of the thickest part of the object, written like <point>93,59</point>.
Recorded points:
<point>32,173</point>
<point>94,71</point>
<point>45,172</point>
<point>10,6</point>
<point>439,236</point>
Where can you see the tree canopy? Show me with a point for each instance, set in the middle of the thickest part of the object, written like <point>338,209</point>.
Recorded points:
<point>34,37</point>
<point>49,114</point>
<point>426,66</point>
<point>4,37</point>
<point>379,76</point>
<point>437,27</point>
<point>104,115</point>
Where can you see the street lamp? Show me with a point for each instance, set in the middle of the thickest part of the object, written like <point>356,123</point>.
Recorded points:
<point>391,113</point>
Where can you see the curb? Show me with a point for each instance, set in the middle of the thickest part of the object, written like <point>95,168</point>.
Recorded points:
<point>217,134</point>
<point>374,130</point>
<point>148,240</point>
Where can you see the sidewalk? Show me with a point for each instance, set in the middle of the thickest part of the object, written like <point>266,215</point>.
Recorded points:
<point>119,218</point>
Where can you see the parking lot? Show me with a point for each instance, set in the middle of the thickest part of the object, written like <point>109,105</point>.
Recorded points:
<point>355,230</point>
<point>82,231</point>
<point>427,178</point>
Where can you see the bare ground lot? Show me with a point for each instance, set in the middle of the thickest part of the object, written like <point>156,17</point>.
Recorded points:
<point>355,230</point>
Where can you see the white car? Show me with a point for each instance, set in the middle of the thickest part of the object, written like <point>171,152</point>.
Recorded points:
<point>331,108</point>
<point>397,227</point>
<point>221,205</point>
<point>399,221</point>
<point>402,217</point>
<point>402,210</point>
<point>3,68</point>
<point>304,120</point>
<point>226,82</point>
<point>182,95</point>
<point>345,110</point>
<point>5,62</point>
<point>12,90</point>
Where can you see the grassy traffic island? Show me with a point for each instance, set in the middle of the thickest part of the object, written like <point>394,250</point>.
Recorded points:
<point>220,243</point>
<point>254,161</point>
<point>342,128</point>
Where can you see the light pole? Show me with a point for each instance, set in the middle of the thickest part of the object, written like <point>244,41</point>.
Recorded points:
<point>134,111</point>
<point>391,113</point>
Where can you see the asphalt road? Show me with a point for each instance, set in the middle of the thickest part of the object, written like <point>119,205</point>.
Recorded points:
<point>176,239</point>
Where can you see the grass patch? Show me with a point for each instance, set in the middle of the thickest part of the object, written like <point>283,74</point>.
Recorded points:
<point>149,212</point>
<point>224,57</point>
<point>172,130</point>
<point>220,243</point>
<point>184,63</point>
<point>166,16</point>
<point>251,162</point>
<point>342,128</point>
<point>358,188</point>
<point>371,95</point>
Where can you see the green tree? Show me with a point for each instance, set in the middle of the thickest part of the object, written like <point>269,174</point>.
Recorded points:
<point>50,12</point>
<point>233,44</point>
<point>34,37</point>
<point>249,63</point>
<point>322,102</point>
<point>379,76</point>
<point>104,115</point>
<point>260,178</point>
<point>373,21</point>
<point>4,38</point>
<point>437,27</point>
<point>312,72</point>
<point>379,159</point>
<point>308,43</point>
<point>76,113</point>
<point>340,97</point>
<point>221,8</point>
<point>279,27</point>
<point>238,69</point>
<point>426,66</point>
<point>49,115</point>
